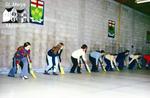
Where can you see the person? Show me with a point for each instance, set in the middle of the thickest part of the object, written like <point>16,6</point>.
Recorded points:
<point>133,60</point>
<point>21,59</point>
<point>53,58</point>
<point>76,58</point>
<point>110,61</point>
<point>121,58</point>
<point>146,57</point>
<point>59,55</point>
<point>95,58</point>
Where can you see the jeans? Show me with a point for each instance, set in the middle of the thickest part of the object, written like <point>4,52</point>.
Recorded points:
<point>24,70</point>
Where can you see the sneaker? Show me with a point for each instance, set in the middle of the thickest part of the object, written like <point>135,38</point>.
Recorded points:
<point>25,77</point>
<point>46,73</point>
<point>54,73</point>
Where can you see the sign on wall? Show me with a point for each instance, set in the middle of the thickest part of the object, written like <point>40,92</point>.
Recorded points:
<point>19,15</point>
<point>13,15</point>
<point>111,28</point>
<point>37,12</point>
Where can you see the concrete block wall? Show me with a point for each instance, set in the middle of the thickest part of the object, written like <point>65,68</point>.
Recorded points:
<point>73,22</point>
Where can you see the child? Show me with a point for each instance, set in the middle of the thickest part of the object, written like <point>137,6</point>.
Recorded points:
<point>95,58</point>
<point>76,56</point>
<point>133,60</point>
<point>59,54</point>
<point>121,58</point>
<point>53,58</point>
<point>21,57</point>
<point>110,61</point>
<point>147,58</point>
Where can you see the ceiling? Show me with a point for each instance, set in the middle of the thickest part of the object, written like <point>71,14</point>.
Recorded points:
<point>143,7</point>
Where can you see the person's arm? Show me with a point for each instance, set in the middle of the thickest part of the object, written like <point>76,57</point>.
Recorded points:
<point>100,60</point>
<point>29,52</point>
<point>97,60</point>
<point>60,54</point>
<point>84,59</point>
<point>17,56</point>
<point>111,58</point>
<point>115,64</point>
<point>134,57</point>
<point>17,63</point>
<point>126,60</point>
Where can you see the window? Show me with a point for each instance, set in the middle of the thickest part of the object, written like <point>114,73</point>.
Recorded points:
<point>14,14</point>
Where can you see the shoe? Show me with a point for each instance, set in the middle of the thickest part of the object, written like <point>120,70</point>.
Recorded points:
<point>46,73</point>
<point>72,72</point>
<point>25,77</point>
<point>94,71</point>
<point>79,72</point>
<point>54,73</point>
<point>11,76</point>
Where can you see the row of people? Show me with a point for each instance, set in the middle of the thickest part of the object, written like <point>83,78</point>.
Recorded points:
<point>108,62</point>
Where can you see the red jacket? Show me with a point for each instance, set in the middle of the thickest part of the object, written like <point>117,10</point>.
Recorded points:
<point>147,58</point>
<point>21,53</point>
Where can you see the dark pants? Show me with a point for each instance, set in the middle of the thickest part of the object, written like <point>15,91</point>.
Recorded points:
<point>120,64</point>
<point>75,65</point>
<point>108,65</point>
<point>93,62</point>
<point>132,64</point>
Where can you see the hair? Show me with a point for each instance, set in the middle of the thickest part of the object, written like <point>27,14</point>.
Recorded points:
<point>102,51</point>
<point>62,44</point>
<point>56,48</point>
<point>26,44</point>
<point>127,51</point>
<point>84,46</point>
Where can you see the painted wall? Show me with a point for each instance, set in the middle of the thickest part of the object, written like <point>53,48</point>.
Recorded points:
<point>74,22</point>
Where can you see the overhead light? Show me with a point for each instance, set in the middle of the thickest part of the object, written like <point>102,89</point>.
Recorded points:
<point>142,1</point>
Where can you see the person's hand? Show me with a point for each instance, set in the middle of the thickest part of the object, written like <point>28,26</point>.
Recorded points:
<point>30,65</point>
<point>18,66</point>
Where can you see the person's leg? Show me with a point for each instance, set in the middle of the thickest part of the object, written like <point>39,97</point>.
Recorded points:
<point>93,62</point>
<point>108,64</point>
<point>49,66</point>
<point>55,67</point>
<point>120,64</point>
<point>75,64</point>
<point>13,70</point>
<point>79,69</point>
<point>132,64</point>
<point>24,71</point>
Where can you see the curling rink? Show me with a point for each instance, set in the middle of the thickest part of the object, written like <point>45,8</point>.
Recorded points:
<point>127,84</point>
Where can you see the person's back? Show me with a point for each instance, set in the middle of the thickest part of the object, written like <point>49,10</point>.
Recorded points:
<point>21,53</point>
<point>76,56</point>
<point>95,54</point>
<point>121,58</point>
<point>53,59</point>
